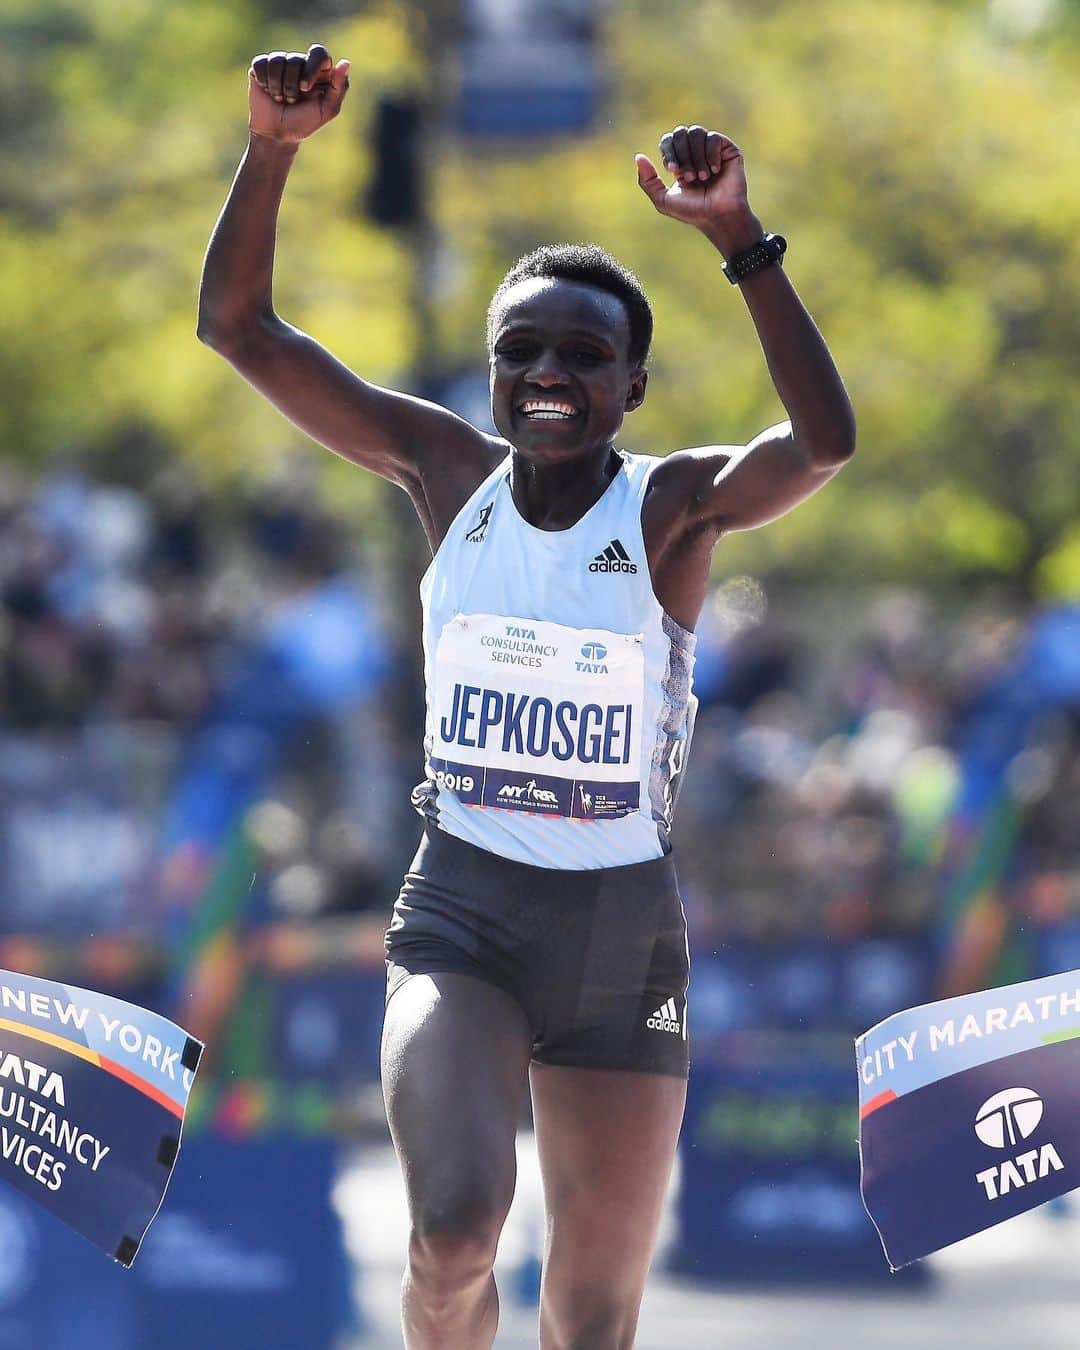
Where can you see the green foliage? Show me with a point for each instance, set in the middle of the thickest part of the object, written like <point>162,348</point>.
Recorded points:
<point>110,195</point>
<point>918,155</point>
<point>920,160</point>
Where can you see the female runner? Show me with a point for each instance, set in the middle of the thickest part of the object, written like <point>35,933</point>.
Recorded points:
<point>539,936</point>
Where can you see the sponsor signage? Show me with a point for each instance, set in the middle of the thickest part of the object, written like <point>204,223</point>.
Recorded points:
<point>78,825</point>
<point>969,1112</point>
<point>249,1251</point>
<point>93,1092</point>
<point>770,1172</point>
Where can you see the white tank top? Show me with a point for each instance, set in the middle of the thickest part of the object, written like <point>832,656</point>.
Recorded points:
<point>559,704</point>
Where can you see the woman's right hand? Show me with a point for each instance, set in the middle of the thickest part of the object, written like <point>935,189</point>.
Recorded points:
<point>290,95</point>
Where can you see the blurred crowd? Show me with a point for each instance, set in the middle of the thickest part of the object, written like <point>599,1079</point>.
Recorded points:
<point>171,663</point>
<point>835,735</point>
<point>854,754</point>
<point>118,604</point>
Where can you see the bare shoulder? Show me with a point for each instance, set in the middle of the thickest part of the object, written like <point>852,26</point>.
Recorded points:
<point>448,472</point>
<point>679,534</point>
<point>689,473</point>
<point>679,489</point>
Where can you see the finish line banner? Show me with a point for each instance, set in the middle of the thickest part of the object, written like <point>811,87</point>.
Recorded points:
<point>92,1099</point>
<point>969,1112</point>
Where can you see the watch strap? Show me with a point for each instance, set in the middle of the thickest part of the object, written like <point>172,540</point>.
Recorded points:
<point>766,251</point>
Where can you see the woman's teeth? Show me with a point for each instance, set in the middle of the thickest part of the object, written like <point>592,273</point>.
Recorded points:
<point>548,411</point>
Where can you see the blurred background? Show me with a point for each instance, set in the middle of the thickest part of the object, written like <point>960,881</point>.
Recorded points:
<point>210,707</point>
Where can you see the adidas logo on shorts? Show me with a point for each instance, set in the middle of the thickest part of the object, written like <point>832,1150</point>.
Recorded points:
<point>665,1018</point>
<point>613,559</point>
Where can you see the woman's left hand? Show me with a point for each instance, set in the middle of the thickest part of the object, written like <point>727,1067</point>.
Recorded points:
<point>710,180</point>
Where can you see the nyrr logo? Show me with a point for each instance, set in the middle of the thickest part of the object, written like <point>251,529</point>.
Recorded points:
<point>509,792</point>
<point>1003,1121</point>
<point>594,653</point>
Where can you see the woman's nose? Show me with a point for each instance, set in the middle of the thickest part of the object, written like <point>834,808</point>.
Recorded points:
<point>546,371</point>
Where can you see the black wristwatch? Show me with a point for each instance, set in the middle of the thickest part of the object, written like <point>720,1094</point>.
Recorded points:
<point>769,250</point>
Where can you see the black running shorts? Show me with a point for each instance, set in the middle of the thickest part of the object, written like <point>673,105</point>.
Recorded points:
<point>597,959</point>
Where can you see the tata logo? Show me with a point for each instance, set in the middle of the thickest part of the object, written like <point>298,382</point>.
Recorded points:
<point>1007,1117</point>
<point>515,631</point>
<point>28,1074</point>
<point>593,653</point>
<point>1003,1121</point>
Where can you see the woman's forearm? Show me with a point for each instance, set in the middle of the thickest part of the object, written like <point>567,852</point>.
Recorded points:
<point>238,271</point>
<point>800,363</point>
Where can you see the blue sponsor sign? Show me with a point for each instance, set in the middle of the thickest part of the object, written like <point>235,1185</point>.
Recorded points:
<point>326,1028</point>
<point>56,1293</point>
<point>248,1252</point>
<point>770,1174</point>
<point>802,987</point>
<point>250,1239</point>
<point>93,1092</point>
<point>969,1112</point>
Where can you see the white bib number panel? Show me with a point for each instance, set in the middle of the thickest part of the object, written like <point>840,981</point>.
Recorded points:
<point>534,716</point>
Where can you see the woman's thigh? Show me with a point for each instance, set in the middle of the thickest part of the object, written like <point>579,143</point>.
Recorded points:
<point>455,1056</point>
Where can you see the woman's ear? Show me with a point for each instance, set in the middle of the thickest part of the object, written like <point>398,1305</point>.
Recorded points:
<point>635,395</point>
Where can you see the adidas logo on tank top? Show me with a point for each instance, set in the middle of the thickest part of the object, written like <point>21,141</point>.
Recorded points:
<point>613,559</point>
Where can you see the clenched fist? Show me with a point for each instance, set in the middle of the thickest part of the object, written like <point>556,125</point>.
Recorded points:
<point>710,181</point>
<point>290,95</point>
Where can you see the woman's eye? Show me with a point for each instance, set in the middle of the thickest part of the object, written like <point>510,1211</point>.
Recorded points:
<point>513,353</point>
<point>587,355</point>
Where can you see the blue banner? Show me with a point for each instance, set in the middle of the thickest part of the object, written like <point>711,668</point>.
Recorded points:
<point>969,1112</point>
<point>251,1240</point>
<point>770,1173</point>
<point>259,1256</point>
<point>93,1092</point>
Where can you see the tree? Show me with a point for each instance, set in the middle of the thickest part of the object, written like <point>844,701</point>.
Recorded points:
<point>917,155</point>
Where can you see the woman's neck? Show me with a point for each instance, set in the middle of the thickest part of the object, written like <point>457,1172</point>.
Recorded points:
<point>556,496</point>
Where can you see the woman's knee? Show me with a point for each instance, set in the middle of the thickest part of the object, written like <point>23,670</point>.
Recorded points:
<point>589,1323</point>
<point>455,1231</point>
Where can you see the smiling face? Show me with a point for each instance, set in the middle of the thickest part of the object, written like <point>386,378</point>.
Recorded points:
<point>561,379</point>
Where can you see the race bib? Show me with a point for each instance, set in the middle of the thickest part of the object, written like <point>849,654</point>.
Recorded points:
<point>535,716</point>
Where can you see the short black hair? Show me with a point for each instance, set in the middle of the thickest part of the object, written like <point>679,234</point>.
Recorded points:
<point>592,266</point>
